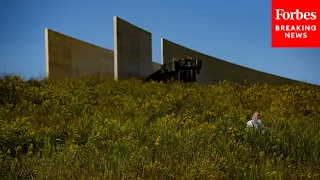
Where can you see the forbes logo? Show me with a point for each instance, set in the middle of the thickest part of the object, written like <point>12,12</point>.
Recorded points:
<point>281,14</point>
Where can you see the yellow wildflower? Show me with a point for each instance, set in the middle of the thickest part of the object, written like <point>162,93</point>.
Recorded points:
<point>157,141</point>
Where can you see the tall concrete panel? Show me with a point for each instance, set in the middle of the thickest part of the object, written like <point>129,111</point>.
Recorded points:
<point>155,67</point>
<point>215,70</point>
<point>132,51</point>
<point>71,58</point>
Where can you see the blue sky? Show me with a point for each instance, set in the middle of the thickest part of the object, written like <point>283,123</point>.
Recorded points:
<point>235,31</point>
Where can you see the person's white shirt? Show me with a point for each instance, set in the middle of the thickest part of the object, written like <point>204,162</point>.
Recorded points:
<point>257,124</point>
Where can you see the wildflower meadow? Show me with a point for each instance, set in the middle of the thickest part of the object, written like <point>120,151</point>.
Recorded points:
<point>98,128</point>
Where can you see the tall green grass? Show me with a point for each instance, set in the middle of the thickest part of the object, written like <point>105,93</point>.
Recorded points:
<point>98,128</point>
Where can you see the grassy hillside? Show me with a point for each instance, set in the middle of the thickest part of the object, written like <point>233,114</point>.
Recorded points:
<point>99,128</point>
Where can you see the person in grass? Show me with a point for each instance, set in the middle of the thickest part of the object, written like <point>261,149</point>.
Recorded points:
<point>256,121</point>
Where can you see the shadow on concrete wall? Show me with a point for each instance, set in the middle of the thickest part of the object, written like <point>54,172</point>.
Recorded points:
<point>164,77</point>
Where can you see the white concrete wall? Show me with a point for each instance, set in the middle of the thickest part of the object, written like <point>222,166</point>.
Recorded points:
<point>71,58</point>
<point>215,70</point>
<point>132,51</point>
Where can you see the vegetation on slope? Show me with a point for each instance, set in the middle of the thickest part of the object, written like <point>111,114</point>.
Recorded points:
<point>105,129</point>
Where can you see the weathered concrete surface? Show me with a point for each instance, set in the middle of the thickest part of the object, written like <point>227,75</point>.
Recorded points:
<point>71,58</point>
<point>155,67</point>
<point>215,70</point>
<point>132,51</point>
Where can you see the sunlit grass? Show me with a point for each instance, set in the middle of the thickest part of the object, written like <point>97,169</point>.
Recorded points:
<point>103,129</point>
